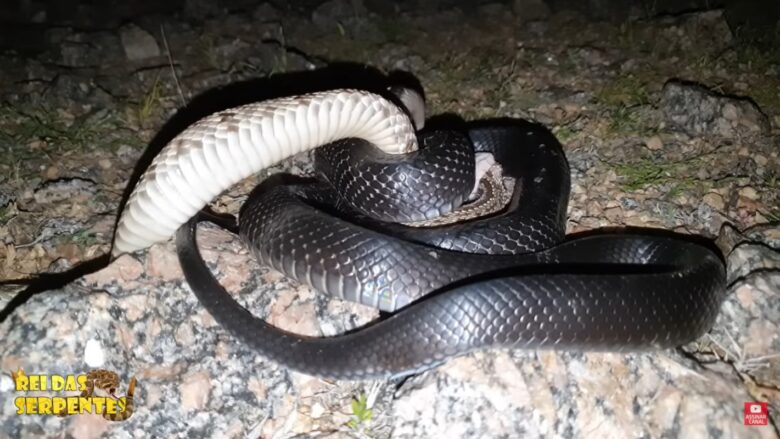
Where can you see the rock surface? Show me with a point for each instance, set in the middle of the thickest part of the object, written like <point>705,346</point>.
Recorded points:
<point>77,115</point>
<point>699,111</point>
<point>138,43</point>
<point>147,324</point>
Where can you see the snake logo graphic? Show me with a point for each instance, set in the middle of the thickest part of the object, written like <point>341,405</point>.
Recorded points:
<point>112,408</point>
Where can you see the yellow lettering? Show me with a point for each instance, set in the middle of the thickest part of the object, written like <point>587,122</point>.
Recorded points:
<point>57,383</point>
<point>70,383</point>
<point>19,405</point>
<point>100,404</point>
<point>31,406</point>
<point>44,406</point>
<point>22,383</point>
<point>82,379</point>
<point>73,402</point>
<point>85,405</point>
<point>58,403</point>
<point>37,382</point>
<point>111,406</point>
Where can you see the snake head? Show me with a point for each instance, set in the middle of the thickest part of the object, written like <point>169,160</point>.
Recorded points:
<point>413,102</point>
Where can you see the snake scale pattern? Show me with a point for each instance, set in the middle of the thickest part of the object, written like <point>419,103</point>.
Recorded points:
<point>511,279</point>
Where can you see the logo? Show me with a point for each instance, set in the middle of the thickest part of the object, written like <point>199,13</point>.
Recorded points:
<point>756,413</point>
<point>111,407</point>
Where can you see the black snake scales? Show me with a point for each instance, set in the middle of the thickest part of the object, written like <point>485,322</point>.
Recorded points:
<point>508,280</point>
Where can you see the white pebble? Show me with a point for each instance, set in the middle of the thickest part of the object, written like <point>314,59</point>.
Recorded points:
<point>94,355</point>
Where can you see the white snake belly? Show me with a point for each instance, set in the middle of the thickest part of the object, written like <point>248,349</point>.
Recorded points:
<point>220,150</point>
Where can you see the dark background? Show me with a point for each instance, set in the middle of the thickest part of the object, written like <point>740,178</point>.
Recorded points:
<point>751,21</point>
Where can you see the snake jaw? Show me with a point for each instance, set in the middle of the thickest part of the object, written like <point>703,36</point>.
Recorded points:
<point>413,102</point>
<point>483,161</point>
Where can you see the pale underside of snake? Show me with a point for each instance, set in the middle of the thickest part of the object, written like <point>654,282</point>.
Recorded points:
<point>220,150</point>
<point>452,293</point>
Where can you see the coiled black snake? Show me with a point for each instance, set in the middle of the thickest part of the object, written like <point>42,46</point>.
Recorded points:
<point>508,280</point>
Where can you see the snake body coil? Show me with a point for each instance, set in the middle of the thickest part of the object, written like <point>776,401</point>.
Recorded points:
<point>508,280</point>
<point>222,149</point>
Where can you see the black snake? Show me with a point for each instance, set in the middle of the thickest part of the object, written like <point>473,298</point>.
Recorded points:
<point>511,279</point>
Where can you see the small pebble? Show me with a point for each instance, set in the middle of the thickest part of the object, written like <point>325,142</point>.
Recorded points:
<point>317,410</point>
<point>613,214</point>
<point>51,173</point>
<point>94,355</point>
<point>730,112</point>
<point>748,192</point>
<point>7,384</point>
<point>714,200</point>
<point>747,204</point>
<point>654,143</point>
<point>36,144</point>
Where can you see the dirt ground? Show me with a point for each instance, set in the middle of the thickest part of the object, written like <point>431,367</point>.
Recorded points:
<point>76,117</point>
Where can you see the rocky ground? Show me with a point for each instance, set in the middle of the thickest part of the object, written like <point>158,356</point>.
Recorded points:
<point>666,122</point>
